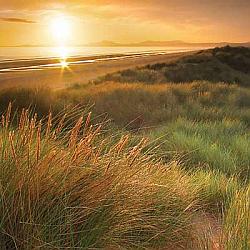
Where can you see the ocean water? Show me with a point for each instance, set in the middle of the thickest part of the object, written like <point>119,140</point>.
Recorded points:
<point>17,53</point>
<point>21,59</point>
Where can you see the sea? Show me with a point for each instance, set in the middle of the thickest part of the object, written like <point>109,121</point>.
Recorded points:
<point>16,59</point>
<point>16,53</point>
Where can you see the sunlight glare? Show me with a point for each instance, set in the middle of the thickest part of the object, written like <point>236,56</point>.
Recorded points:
<point>64,64</point>
<point>61,28</point>
<point>63,53</point>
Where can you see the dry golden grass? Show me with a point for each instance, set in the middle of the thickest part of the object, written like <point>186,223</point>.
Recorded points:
<point>70,190</point>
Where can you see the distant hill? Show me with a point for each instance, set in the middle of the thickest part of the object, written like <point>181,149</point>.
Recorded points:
<point>176,43</point>
<point>225,64</point>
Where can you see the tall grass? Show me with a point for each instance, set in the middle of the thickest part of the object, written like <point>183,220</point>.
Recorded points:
<point>196,119</point>
<point>237,222</point>
<point>135,106</point>
<point>67,189</point>
<point>74,188</point>
<point>71,183</point>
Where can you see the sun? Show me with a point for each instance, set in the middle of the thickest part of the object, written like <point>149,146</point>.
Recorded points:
<point>60,27</point>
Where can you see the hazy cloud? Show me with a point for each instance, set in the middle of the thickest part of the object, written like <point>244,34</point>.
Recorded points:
<point>193,20</point>
<point>15,20</point>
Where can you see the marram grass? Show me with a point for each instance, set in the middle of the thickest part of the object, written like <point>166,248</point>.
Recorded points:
<point>68,190</point>
<point>73,187</point>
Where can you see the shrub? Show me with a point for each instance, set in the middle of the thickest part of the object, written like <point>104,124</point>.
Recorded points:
<point>226,64</point>
<point>242,99</point>
<point>40,99</point>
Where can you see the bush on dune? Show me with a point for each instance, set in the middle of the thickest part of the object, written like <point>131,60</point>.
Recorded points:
<point>237,58</point>
<point>225,64</point>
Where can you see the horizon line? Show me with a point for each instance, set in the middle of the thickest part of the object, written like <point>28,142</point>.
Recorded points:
<point>109,43</point>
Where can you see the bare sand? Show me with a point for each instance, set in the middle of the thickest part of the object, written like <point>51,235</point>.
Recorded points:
<point>76,73</point>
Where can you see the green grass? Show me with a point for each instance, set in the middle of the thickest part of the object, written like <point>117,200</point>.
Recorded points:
<point>207,145</point>
<point>237,222</point>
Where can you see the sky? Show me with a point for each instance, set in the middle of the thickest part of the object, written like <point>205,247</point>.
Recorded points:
<point>76,22</point>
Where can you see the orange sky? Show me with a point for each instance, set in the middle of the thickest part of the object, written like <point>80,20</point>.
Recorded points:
<point>29,21</point>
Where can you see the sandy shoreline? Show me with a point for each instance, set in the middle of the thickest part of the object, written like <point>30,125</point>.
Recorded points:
<point>80,70</point>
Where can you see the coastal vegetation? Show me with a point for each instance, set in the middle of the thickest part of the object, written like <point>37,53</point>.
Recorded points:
<point>227,64</point>
<point>156,157</point>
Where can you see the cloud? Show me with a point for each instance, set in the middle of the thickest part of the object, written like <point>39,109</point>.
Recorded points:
<point>15,20</point>
<point>174,19</point>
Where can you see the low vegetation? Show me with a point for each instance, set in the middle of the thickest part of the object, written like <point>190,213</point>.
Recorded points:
<point>137,105</point>
<point>68,189</point>
<point>152,166</point>
<point>228,64</point>
<point>205,144</point>
<point>75,189</point>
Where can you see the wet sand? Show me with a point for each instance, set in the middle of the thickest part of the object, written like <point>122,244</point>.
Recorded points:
<point>50,73</point>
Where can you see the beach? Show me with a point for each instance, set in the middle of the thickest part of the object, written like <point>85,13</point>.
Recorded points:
<point>56,73</point>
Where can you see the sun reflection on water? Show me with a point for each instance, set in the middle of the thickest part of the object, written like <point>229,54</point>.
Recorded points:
<point>63,54</point>
<point>64,64</point>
